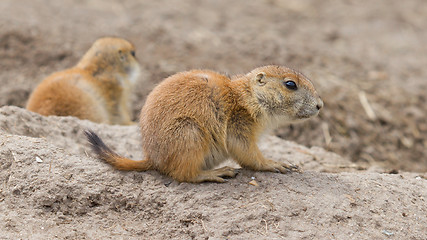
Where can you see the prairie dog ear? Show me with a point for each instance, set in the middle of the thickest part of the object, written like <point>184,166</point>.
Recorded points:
<point>122,55</point>
<point>260,78</point>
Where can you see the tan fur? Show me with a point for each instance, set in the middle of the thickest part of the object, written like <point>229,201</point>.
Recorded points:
<point>97,88</point>
<point>193,121</point>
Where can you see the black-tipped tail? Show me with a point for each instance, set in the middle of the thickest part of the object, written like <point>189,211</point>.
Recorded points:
<point>107,155</point>
<point>98,146</point>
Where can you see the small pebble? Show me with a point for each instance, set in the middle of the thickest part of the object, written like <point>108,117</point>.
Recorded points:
<point>254,183</point>
<point>38,159</point>
<point>388,233</point>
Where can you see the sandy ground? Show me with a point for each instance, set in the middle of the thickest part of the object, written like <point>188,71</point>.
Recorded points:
<point>51,188</point>
<point>352,50</point>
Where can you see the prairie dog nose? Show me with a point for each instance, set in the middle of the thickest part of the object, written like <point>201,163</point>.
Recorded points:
<point>319,104</point>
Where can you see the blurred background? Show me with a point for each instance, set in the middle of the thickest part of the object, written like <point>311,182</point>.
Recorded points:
<point>366,58</point>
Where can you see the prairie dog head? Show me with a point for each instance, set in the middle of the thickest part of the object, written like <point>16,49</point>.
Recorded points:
<point>114,56</point>
<point>284,94</point>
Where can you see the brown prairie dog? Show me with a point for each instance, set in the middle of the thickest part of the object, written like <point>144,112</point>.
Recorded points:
<point>193,121</point>
<point>97,88</point>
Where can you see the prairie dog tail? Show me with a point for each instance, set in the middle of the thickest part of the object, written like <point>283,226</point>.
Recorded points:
<point>106,154</point>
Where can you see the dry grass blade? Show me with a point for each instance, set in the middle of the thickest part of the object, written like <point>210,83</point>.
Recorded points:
<point>326,134</point>
<point>266,226</point>
<point>366,106</point>
<point>203,225</point>
<point>13,155</point>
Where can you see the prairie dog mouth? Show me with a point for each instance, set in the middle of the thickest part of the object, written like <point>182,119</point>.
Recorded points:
<point>133,73</point>
<point>308,113</point>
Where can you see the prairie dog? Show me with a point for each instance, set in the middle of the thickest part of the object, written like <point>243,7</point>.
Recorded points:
<point>195,120</point>
<point>97,88</point>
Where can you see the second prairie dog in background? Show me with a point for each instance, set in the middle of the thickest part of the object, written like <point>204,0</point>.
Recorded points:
<point>193,121</point>
<point>97,88</point>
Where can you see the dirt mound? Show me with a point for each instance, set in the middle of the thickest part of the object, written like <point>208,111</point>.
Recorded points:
<point>51,188</point>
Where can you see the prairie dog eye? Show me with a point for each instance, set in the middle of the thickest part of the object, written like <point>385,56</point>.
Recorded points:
<point>132,53</point>
<point>291,85</point>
